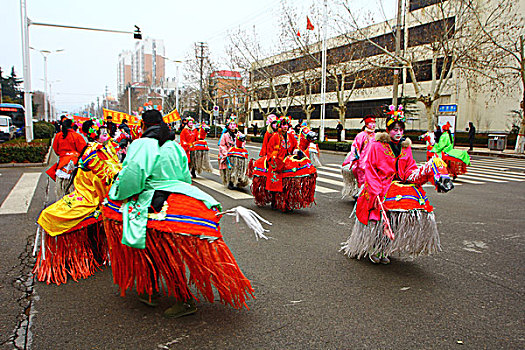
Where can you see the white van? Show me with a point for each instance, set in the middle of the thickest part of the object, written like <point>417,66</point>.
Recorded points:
<point>7,129</point>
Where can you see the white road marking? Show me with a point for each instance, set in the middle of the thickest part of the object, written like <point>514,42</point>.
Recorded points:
<point>216,186</point>
<point>19,199</point>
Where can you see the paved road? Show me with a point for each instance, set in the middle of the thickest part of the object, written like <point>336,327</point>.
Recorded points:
<point>308,294</point>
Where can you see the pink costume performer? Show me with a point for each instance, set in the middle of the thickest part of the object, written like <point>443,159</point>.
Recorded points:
<point>393,213</point>
<point>233,157</point>
<point>353,169</point>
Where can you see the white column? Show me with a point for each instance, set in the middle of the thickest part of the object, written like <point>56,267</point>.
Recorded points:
<point>28,100</point>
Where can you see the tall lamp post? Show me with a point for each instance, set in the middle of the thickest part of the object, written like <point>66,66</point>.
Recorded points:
<point>25,23</point>
<point>44,54</point>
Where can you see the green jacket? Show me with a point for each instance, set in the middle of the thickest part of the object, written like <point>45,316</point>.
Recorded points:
<point>147,168</point>
<point>445,145</point>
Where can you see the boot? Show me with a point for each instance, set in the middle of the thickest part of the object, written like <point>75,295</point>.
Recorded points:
<point>193,173</point>
<point>181,308</point>
<point>150,300</point>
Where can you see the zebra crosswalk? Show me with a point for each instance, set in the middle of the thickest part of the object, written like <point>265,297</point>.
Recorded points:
<point>329,181</point>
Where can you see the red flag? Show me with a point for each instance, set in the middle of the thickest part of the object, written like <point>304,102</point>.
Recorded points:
<point>298,33</point>
<point>309,25</point>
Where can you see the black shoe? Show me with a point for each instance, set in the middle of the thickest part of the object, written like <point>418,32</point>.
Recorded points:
<point>230,186</point>
<point>193,173</point>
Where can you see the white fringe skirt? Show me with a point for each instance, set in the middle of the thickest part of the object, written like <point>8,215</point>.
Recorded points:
<point>415,234</point>
<point>350,188</point>
<point>200,161</point>
<point>236,172</point>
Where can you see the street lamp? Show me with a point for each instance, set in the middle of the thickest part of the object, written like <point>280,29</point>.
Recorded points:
<point>44,54</point>
<point>176,82</point>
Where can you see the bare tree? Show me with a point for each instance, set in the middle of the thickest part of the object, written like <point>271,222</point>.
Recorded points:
<point>444,40</point>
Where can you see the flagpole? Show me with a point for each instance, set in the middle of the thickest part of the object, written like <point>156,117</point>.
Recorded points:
<point>323,79</point>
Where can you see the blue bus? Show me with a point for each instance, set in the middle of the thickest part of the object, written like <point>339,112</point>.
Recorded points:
<point>17,114</point>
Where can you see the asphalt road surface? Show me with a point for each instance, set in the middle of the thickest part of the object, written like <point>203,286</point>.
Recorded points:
<point>308,294</point>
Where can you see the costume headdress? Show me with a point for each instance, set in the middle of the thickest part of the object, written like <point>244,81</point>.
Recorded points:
<point>395,115</point>
<point>270,119</point>
<point>446,127</point>
<point>369,119</point>
<point>94,128</point>
<point>285,120</point>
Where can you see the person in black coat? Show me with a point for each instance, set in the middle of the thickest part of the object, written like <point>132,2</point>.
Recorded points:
<point>471,135</point>
<point>112,127</point>
<point>339,129</point>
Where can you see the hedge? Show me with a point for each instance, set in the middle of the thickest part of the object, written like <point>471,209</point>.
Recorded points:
<point>43,130</point>
<point>18,151</point>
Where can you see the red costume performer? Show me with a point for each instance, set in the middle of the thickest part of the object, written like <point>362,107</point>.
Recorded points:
<point>68,146</point>
<point>188,136</point>
<point>272,123</point>
<point>280,178</point>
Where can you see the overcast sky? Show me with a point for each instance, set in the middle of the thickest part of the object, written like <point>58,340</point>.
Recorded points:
<point>89,61</point>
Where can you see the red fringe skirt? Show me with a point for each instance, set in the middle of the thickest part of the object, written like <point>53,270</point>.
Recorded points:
<point>177,255</point>
<point>455,166</point>
<point>78,253</point>
<point>298,192</point>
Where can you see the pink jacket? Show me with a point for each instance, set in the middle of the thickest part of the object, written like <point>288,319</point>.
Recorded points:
<point>226,143</point>
<point>380,170</point>
<point>358,153</point>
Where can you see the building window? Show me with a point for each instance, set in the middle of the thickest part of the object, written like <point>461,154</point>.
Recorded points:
<point>418,4</point>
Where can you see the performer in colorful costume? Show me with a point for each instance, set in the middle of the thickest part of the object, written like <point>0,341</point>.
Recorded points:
<point>306,141</point>
<point>456,160</point>
<point>188,136</point>
<point>159,227</point>
<point>281,178</point>
<point>272,125</point>
<point>233,157</point>
<point>68,145</point>
<point>428,137</point>
<point>73,239</point>
<point>201,153</point>
<point>353,169</point>
<point>393,214</point>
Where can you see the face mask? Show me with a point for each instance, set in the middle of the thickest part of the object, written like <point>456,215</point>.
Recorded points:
<point>274,126</point>
<point>285,127</point>
<point>190,125</point>
<point>396,133</point>
<point>232,126</point>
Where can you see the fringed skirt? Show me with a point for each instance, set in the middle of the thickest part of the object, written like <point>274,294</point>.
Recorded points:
<point>184,247</point>
<point>350,187</point>
<point>77,254</point>
<point>200,161</point>
<point>455,166</point>
<point>415,234</point>
<point>297,193</point>
<point>236,172</point>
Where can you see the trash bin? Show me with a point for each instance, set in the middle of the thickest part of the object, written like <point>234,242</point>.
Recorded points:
<point>497,142</point>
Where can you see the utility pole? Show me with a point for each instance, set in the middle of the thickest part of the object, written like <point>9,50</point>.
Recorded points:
<point>106,102</point>
<point>201,57</point>
<point>323,75</point>
<point>395,84</point>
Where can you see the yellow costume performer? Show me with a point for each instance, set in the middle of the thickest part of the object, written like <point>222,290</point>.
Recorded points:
<point>73,236</point>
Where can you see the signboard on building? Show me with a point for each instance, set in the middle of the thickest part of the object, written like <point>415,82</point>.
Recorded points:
<point>453,108</point>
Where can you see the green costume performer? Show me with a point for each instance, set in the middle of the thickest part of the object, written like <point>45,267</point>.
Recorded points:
<point>161,228</point>
<point>456,160</point>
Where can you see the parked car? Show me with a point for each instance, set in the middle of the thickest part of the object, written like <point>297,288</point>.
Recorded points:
<point>7,128</point>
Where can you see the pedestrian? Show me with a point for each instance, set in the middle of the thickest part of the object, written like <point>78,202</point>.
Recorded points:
<point>164,233</point>
<point>124,126</point>
<point>339,129</point>
<point>74,243</point>
<point>471,135</point>
<point>255,129</point>
<point>68,145</point>
<point>393,214</point>
<point>112,127</point>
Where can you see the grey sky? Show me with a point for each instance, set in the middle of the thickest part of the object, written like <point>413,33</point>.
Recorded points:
<point>89,60</point>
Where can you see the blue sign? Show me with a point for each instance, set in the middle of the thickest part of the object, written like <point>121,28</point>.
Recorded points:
<point>448,108</point>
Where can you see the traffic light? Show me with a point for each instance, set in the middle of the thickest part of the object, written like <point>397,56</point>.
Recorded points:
<point>137,34</point>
